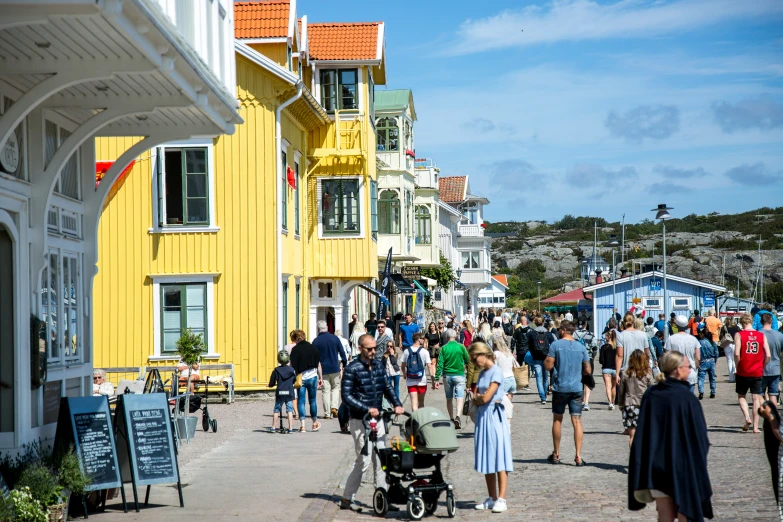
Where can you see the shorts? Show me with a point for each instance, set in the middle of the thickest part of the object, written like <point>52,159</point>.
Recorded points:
<point>455,386</point>
<point>573,400</point>
<point>420,389</point>
<point>630,416</point>
<point>434,352</point>
<point>289,406</point>
<point>609,371</point>
<point>770,384</point>
<point>743,384</point>
<point>509,385</point>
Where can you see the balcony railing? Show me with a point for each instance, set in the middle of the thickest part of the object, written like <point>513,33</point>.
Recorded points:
<point>470,230</point>
<point>475,276</point>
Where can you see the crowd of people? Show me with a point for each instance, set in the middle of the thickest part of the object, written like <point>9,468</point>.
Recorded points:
<point>654,372</point>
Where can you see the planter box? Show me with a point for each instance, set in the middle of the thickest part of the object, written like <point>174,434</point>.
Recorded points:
<point>191,427</point>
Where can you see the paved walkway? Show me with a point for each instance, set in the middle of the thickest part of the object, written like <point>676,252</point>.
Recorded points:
<point>257,476</point>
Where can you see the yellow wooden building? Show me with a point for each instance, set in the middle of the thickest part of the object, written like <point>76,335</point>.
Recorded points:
<point>246,237</point>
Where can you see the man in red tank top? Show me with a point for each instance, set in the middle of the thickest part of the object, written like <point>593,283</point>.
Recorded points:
<point>751,352</point>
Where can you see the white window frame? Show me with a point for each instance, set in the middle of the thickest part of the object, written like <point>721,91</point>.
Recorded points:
<point>363,224</point>
<point>647,306</point>
<point>480,259</point>
<point>674,305</point>
<point>212,226</point>
<point>297,200</point>
<point>360,86</point>
<point>80,302</point>
<point>62,124</point>
<point>184,279</point>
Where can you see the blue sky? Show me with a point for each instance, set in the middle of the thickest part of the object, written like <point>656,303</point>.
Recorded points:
<point>592,107</point>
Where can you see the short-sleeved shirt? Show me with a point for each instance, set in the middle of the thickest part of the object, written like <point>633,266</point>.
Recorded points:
<point>425,360</point>
<point>567,372</point>
<point>687,345</point>
<point>632,340</point>
<point>713,324</point>
<point>487,377</point>
<point>775,341</point>
<point>407,331</point>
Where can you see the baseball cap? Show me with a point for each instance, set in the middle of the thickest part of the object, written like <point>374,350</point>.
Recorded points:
<point>681,321</point>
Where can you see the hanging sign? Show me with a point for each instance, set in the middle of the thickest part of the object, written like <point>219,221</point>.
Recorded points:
<point>411,272</point>
<point>146,448</point>
<point>709,299</point>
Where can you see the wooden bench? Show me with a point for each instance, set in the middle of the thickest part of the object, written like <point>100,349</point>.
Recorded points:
<point>201,369</point>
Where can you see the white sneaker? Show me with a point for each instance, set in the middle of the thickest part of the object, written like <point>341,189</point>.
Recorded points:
<point>611,406</point>
<point>487,504</point>
<point>500,506</point>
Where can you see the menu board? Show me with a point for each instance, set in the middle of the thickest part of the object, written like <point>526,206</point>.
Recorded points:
<point>147,451</point>
<point>84,422</point>
<point>4,491</point>
<point>51,401</point>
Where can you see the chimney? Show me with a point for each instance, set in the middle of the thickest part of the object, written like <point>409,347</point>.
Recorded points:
<point>598,278</point>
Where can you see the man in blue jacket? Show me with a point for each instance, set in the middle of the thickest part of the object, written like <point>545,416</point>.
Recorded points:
<point>364,387</point>
<point>332,352</point>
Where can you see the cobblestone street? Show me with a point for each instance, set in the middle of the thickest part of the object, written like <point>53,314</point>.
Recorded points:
<point>246,472</point>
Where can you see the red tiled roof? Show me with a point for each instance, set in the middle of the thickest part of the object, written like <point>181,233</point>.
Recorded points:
<point>337,41</point>
<point>262,19</point>
<point>568,297</point>
<point>501,278</point>
<point>452,188</point>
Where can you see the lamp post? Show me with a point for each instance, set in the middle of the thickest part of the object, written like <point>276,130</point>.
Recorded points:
<point>539,295</point>
<point>662,213</point>
<point>613,243</point>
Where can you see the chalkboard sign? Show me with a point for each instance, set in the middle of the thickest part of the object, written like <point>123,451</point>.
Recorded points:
<point>146,449</point>
<point>4,491</point>
<point>85,423</point>
<point>51,401</point>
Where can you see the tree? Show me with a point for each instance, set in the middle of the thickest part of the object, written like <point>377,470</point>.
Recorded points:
<point>774,293</point>
<point>443,275</point>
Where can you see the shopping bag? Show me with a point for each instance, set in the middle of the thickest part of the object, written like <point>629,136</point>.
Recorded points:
<point>521,376</point>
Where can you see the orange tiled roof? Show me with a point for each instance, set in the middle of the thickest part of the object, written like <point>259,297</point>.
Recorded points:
<point>452,188</point>
<point>501,278</point>
<point>350,41</point>
<point>262,19</point>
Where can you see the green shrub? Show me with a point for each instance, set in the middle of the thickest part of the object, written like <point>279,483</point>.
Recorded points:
<point>22,506</point>
<point>42,482</point>
<point>70,475</point>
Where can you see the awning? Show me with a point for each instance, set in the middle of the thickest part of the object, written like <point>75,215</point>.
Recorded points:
<point>421,288</point>
<point>568,297</point>
<point>376,293</point>
<point>402,285</point>
<point>460,283</point>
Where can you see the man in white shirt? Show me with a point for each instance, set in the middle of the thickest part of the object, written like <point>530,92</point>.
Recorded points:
<point>345,343</point>
<point>628,341</point>
<point>687,345</point>
<point>469,317</point>
<point>569,316</point>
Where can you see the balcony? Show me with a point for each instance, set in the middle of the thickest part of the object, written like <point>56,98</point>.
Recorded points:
<point>475,276</point>
<point>470,230</point>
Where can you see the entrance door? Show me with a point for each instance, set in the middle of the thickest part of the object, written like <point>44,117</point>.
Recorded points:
<point>7,333</point>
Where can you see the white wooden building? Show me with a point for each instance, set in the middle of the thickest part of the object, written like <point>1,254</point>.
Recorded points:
<point>71,71</point>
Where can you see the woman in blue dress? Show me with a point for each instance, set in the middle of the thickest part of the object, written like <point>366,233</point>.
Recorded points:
<point>492,433</point>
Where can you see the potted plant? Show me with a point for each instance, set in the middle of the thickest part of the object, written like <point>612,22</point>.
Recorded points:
<point>189,347</point>
<point>20,505</point>
<point>70,476</point>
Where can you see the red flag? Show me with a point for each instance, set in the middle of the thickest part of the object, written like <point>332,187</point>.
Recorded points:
<point>291,176</point>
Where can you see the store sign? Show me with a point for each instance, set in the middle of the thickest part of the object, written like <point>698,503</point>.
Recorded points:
<point>411,272</point>
<point>605,306</point>
<point>709,299</point>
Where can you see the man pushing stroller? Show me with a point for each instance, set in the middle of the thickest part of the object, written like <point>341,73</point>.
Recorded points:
<point>363,389</point>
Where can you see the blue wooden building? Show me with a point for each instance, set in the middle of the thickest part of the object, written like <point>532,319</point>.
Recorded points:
<point>646,291</point>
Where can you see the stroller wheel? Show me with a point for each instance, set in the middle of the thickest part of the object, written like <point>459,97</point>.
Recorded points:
<point>415,507</point>
<point>205,421</point>
<point>380,502</point>
<point>213,422</point>
<point>431,504</point>
<point>451,505</point>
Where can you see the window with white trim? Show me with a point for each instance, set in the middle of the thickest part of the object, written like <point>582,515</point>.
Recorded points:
<point>284,190</point>
<point>374,209</point>
<point>652,303</point>
<point>471,259</point>
<point>183,186</point>
<point>68,183</point>
<point>182,307</point>
<point>340,206</point>
<point>339,89</point>
<point>423,225</point>
<point>296,197</point>
<point>389,212</point>
<point>681,303</point>
<point>61,306</point>
<point>285,309</point>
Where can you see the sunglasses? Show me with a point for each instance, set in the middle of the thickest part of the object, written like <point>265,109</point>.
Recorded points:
<point>371,349</point>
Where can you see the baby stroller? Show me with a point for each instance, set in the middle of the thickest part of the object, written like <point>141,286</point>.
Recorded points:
<point>428,435</point>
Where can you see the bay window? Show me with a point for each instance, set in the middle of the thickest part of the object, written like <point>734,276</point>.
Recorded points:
<point>423,225</point>
<point>389,212</point>
<point>471,259</point>
<point>388,134</point>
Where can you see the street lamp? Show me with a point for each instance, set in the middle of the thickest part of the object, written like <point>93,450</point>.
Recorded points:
<point>613,243</point>
<point>539,295</point>
<point>662,213</point>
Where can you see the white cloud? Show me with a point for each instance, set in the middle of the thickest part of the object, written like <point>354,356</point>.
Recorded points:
<point>576,20</point>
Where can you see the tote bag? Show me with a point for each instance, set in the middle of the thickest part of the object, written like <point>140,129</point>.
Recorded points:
<point>521,376</point>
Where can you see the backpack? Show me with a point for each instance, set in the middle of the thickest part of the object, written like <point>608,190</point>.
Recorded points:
<point>587,339</point>
<point>508,329</point>
<point>541,347</point>
<point>414,364</point>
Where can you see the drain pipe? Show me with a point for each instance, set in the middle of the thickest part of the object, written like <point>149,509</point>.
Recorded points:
<point>280,186</point>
